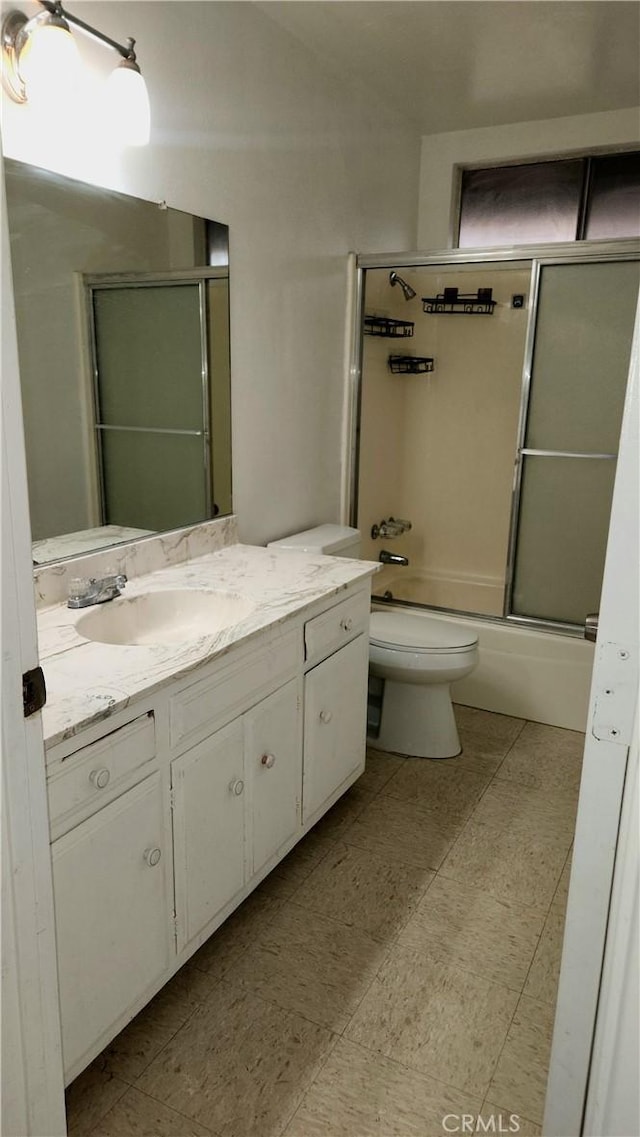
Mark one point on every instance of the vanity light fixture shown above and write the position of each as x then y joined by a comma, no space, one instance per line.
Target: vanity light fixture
42,50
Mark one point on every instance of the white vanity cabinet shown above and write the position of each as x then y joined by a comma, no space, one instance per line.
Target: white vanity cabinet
236,804
273,750
112,914
111,857
335,703
177,806
335,700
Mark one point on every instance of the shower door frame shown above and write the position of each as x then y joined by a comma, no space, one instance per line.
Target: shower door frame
103,282
537,256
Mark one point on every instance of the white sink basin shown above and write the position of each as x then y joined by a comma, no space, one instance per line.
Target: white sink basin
173,616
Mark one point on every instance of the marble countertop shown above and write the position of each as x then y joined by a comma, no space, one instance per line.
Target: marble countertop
88,681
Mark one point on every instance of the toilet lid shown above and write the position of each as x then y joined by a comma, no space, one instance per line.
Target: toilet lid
411,631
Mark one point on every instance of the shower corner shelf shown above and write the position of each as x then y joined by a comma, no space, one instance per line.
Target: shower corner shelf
454,303
410,364
385,326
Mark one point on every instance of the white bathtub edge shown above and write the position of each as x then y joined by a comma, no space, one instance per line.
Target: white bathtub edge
526,673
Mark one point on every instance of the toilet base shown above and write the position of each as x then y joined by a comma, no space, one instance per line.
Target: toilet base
418,720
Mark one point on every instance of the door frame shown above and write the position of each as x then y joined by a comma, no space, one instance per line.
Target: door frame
32,1077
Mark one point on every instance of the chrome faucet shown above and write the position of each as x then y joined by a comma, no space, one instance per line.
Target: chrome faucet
394,527
392,558
89,590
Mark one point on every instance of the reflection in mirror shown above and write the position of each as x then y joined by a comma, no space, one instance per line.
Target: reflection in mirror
122,312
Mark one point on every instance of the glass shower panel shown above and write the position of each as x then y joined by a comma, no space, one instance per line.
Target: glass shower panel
151,401
564,520
581,356
582,348
153,481
149,359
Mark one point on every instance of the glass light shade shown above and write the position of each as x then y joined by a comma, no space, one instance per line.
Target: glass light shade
49,62
128,105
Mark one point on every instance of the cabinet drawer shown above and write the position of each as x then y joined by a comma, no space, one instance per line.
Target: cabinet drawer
330,631
230,690
91,777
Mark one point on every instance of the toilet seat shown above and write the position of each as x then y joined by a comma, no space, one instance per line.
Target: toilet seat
418,634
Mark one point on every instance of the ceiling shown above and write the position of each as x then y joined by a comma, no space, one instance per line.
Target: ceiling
459,64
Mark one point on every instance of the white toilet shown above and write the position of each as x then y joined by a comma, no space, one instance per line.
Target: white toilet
417,655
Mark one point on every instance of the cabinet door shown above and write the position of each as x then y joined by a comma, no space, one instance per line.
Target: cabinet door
209,828
113,927
274,765
335,711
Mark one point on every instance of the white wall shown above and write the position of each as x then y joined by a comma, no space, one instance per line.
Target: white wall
442,153
249,130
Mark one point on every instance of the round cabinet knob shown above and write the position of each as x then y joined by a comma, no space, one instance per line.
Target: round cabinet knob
236,787
325,716
346,624
268,760
100,778
152,856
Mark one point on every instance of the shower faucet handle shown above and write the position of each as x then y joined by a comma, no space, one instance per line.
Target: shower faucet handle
385,529
394,527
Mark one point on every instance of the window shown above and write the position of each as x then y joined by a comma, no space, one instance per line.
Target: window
614,200
537,202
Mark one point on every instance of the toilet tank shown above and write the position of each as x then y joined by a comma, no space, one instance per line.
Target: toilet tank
332,540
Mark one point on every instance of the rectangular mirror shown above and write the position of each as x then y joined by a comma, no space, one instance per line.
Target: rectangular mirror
122,311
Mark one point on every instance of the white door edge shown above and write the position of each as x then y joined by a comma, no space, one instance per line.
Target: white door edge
612,1099
612,711
32,1079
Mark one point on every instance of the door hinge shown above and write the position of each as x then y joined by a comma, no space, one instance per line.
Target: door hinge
34,691
616,696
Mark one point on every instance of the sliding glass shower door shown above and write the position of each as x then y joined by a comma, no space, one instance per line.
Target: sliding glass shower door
151,395
569,439
502,453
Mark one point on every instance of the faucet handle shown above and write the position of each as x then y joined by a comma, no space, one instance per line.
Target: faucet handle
79,587
394,527
111,577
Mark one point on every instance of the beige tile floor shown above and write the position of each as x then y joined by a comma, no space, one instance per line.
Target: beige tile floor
399,966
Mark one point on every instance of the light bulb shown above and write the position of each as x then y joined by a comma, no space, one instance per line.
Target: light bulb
128,105
49,62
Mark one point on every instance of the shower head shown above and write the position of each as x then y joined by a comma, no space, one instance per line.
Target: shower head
407,290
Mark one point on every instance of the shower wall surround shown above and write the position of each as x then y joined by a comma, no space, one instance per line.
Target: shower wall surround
439,448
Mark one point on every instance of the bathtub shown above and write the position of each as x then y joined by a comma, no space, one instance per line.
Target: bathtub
522,671
440,590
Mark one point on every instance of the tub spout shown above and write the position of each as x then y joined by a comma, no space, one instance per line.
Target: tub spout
392,558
